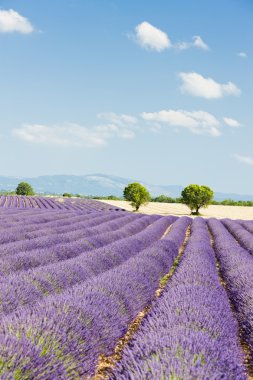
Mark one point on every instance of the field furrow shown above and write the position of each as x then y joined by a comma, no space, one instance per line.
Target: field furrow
89,291
242,235
236,266
191,329
71,331
30,286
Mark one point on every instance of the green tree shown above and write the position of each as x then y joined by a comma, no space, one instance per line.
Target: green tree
24,188
163,199
136,194
68,195
196,196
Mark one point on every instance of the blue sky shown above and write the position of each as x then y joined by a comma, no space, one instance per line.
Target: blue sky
159,91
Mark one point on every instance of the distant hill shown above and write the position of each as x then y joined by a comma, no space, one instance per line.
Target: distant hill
99,184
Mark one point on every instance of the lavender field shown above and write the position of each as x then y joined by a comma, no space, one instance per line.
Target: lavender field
75,204
90,291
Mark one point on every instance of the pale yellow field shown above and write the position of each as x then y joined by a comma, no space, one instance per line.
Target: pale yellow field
213,211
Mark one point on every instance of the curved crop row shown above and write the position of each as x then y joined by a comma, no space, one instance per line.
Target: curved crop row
248,225
28,287
190,332
88,241
244,237
236,266
68,224
23,202
64,335
15,217
54,248
24,234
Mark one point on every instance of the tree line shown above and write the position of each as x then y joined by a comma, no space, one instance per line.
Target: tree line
194,196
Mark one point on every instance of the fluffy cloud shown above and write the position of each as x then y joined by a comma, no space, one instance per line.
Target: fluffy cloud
232,122
242,54
197,122
197,42
122,125
68,135
75,135
12,21
244,159
196,85
150,37
120,120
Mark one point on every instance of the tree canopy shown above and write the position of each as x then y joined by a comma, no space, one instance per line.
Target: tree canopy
196,196
24,188
68,195
136,194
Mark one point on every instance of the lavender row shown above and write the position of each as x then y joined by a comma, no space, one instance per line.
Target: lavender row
25,232
23,202
89,238
28,202
244,237
51,249
31,223
18,216
91,203
237,270
190,332
63,336
177,231
30,286
248,225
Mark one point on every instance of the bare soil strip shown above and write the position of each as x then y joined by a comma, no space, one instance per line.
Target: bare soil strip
245,347
106,363
167,231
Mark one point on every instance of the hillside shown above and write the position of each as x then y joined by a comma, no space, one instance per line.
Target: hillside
99,184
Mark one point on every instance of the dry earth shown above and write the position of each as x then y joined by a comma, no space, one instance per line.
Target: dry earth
213,211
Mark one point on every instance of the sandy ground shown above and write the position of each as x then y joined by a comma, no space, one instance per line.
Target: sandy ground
213,211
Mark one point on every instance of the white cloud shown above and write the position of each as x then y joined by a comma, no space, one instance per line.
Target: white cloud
196,85
232,122
120,125
12,21
68,135
183,45
75,135
121,120
242,54
197,122
197,43
150,37
112,130
244,159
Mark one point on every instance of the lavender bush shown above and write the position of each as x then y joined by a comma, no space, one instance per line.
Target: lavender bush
244,237
191,332
237,268
64,335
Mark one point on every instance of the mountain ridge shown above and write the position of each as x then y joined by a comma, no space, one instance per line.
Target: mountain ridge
99,185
